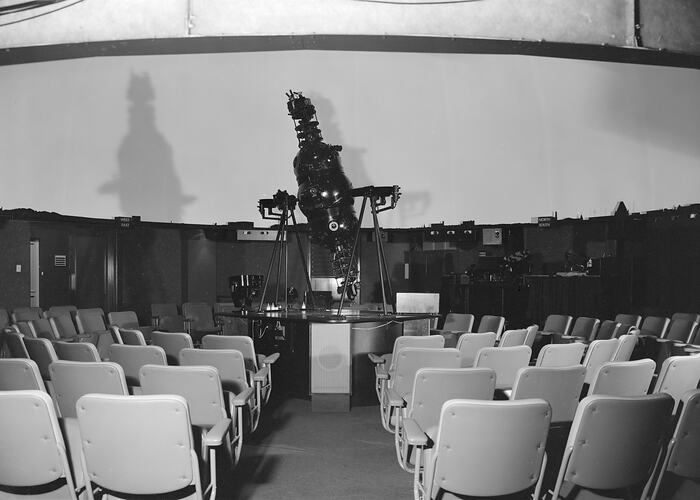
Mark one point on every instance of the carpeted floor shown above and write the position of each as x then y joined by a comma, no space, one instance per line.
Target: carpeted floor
297,454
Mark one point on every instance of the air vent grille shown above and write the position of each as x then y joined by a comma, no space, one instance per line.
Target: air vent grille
60,261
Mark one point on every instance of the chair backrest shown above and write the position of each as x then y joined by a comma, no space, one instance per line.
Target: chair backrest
132,336
489,448
685,454
172,343
553,355
512,338
199,385
655,325
43,353
69,309
26,314
625,348
20,374
559,386
681,330
410,359
558,323
678,374
90,320
470,343
4,318
32,448
599,352
614,441
689,316
505,361
433,387
623,378
15,344
459,322
531,335
123,319
132,357
76,351
241,343
153,430
630,319
41,328
25,329
585,327
73,379
229,363
63,325
171,323
491,323
607,330
159,310
200,314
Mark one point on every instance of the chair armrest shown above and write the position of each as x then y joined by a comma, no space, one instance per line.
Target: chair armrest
377,360
574,338
414,434
242,398
395,399
268,360
215,435
262,374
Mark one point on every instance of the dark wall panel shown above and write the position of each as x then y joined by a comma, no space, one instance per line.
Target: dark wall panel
14,249
149,262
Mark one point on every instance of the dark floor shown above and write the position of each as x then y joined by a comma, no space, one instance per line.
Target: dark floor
299,454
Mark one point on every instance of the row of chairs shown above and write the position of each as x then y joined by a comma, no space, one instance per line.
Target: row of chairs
212,380
71,323
680,327
425,378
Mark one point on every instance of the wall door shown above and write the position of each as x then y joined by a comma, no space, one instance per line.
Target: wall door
34,273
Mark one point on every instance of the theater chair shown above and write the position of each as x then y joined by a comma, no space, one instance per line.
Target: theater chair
19,374
623,378
15,344
470,343
201,388
172,343
199,320
80,351
234,382
384,365
505,361
132,357
613,445
678,375
259,366
511,338
679,474
432,388
455,325
132,337
92,322
408,361
41,351
129,320
629,319
32,450
73,379
152,454
599,352
608,329
482,449
490,323
553,355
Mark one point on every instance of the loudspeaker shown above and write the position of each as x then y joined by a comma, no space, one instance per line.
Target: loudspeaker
330,358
